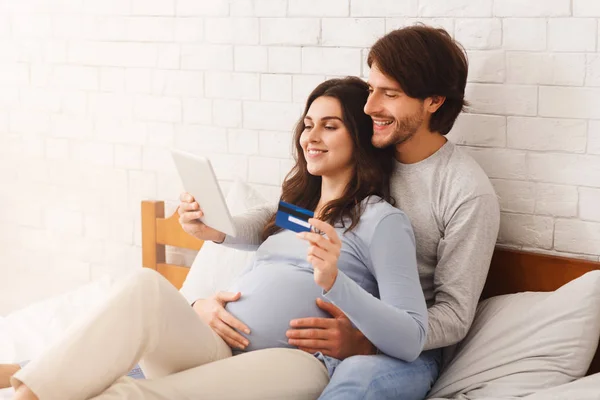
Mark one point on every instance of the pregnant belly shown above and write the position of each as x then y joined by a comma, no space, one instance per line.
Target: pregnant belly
273,295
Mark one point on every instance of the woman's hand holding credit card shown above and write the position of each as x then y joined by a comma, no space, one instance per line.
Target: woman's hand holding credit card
324,250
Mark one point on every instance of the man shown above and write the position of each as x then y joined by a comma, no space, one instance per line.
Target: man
417,82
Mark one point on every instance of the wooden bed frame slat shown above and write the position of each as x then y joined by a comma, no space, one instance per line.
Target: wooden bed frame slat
158,232
174,273
511,271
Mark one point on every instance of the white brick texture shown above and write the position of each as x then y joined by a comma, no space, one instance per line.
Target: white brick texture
586,8
594,137
487,66
383,8
290,31
571,169
532,8
589,204
569,102
546,134
479,130
503,99
592,77
567,69
524,34
526,230
577,236
501,163
318,8
485,33
515,196
336,61
232,30
556,200
202,8
455,8
258,8
153,7
94,93
351,32
250,58
572,34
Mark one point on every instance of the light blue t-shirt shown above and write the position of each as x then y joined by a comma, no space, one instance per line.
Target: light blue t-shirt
377,285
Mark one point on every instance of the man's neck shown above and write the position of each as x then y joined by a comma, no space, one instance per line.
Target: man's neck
420,147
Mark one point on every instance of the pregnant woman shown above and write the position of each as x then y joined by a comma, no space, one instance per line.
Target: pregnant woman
361,257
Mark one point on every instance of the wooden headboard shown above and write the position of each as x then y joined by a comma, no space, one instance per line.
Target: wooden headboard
511,271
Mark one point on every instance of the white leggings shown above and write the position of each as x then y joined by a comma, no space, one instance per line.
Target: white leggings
147,320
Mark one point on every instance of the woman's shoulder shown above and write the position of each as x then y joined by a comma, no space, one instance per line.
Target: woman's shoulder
375,210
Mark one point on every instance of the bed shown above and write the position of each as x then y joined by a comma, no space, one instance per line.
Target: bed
27,332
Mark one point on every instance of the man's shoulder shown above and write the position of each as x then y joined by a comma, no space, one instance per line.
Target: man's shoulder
464,177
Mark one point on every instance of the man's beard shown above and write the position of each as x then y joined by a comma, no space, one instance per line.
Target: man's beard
405,130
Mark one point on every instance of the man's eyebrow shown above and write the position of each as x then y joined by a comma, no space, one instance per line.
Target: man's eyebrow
388,88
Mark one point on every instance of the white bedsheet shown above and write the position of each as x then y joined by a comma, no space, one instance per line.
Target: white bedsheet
26,332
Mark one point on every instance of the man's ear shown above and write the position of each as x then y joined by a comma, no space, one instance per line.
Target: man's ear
433,103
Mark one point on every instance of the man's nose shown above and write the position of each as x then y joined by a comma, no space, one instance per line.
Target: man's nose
371,107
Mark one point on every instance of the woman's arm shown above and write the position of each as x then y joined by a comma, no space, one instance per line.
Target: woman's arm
249,227
397,322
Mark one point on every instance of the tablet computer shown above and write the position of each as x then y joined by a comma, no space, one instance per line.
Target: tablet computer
199,180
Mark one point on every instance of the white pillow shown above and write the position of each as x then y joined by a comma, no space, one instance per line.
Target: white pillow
522,343
587,388
216,266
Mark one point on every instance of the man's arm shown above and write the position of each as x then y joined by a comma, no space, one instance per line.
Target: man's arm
249,227
464,256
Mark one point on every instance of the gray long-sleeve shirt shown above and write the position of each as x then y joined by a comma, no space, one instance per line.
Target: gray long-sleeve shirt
455,215
377,285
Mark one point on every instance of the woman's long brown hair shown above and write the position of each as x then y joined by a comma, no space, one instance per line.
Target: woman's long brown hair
372,169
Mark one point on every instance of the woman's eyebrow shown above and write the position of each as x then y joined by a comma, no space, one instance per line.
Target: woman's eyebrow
324,118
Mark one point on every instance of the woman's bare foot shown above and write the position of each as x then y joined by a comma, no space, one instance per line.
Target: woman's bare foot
24,393
6,371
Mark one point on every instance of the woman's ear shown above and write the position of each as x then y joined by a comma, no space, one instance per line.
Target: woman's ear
433,103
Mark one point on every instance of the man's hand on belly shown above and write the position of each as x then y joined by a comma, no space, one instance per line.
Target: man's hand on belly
334,337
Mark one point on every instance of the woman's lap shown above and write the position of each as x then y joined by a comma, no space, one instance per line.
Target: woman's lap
261,374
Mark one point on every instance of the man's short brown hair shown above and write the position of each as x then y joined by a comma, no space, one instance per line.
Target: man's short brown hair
425,62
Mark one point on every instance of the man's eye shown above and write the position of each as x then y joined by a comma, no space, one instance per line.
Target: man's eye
391,96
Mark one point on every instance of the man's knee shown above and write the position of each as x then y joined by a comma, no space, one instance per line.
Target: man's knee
379,377
363,368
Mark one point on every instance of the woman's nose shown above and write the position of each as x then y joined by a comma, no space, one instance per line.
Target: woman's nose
313,135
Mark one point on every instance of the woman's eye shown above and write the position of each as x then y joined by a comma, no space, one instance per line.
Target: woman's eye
307,127
331,128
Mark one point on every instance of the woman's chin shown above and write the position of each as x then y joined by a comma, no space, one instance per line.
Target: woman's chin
314,170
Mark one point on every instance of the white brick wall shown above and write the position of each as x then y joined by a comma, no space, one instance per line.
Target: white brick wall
93,93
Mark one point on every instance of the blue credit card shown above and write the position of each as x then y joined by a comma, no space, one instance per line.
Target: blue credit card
292,217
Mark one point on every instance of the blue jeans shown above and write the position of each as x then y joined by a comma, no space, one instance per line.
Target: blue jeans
380,377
